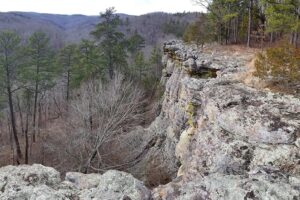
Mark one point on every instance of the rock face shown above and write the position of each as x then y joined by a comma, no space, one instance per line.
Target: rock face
117,185
236,142
215,138
37,182
32,182
83,181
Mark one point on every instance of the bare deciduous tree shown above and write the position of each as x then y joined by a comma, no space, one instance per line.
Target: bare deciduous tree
115,108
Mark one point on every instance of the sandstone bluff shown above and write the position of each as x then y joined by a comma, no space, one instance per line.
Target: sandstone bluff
215,138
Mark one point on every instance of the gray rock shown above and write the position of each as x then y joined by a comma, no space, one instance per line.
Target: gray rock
34,182
236,142
37,182
117,185
83,181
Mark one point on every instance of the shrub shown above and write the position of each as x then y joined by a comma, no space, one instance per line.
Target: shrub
199,32
279,66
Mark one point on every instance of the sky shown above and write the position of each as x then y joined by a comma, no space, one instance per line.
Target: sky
94,7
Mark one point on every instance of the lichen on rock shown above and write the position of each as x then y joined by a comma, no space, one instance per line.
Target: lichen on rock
215,138
244,142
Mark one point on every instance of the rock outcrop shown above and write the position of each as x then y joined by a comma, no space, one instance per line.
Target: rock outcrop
215,138
238,142
32,182
37,182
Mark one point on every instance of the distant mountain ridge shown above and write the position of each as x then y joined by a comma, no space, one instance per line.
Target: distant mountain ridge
72,28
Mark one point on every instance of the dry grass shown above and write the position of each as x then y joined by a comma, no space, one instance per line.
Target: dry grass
247,75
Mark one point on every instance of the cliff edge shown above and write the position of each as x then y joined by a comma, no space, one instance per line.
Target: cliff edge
240,142
215,138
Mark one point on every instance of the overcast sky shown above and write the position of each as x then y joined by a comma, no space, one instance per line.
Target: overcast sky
94,7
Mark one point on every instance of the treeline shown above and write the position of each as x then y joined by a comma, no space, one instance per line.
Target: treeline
175,27
246,21
31,71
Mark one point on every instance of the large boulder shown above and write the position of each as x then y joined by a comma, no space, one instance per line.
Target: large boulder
117,185
32,182
83,181
37,182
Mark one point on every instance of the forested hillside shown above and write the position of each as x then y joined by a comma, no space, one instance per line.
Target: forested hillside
271,24
247,21
92,77
64,29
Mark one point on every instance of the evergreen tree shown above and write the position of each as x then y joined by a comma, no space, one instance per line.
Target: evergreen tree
175,27
111,41
39,71
68,58
242,20
155,61
135,43
283,17
216,11
198,32
89,64
139,65
9,66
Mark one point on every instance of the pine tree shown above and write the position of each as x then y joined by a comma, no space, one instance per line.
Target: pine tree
283,17
9,66
68,58
139,65
198,32
155,61
111,41
89,63
39,71
135,43
233,20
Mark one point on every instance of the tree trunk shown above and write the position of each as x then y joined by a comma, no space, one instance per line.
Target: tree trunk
296,40
292,38
34,117
226,33
235,30
12,114
219,26
13,122
91,106
12,150
68,79
26,140
110,67
297,32
140,73
35,103
249,23
88,163
26,129
271,37
40,120
68,86
20,115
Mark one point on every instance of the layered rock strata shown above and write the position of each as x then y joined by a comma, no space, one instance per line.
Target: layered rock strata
215,138
239,142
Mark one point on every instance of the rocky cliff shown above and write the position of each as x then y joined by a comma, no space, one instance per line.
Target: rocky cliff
238,142
215,138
